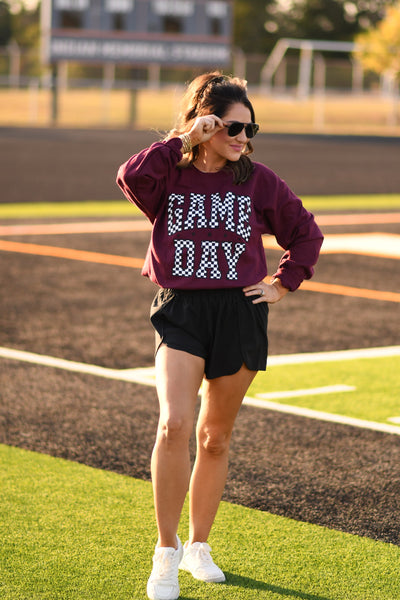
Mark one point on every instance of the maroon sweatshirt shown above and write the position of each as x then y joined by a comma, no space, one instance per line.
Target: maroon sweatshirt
207,230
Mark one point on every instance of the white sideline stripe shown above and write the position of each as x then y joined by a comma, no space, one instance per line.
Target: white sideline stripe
321,416
146,376
328,389
335,355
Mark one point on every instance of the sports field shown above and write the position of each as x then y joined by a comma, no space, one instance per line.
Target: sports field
311,504
337,113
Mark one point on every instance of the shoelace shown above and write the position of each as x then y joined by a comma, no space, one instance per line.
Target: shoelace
164,562
203,553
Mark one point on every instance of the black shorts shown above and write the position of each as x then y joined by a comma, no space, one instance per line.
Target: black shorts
222,326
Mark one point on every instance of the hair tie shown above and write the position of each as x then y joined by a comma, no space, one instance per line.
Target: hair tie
216,79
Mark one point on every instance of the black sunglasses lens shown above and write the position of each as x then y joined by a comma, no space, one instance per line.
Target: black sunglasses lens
236,127
251,130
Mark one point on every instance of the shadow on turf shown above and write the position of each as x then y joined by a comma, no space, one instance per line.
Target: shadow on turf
246,582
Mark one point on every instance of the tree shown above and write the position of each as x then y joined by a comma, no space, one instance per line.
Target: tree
379,49
20,25
338,20
5,24
26,26
249,32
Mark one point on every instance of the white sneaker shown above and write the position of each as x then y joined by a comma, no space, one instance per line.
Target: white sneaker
197,560
163,582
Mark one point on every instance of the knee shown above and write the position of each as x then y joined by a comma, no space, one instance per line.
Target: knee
173,430
214,441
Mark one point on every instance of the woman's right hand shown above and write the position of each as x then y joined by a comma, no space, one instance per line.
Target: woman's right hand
204,128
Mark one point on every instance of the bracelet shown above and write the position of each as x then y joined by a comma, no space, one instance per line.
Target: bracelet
186,143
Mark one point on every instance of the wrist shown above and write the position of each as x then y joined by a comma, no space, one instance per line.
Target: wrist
276,282
187,144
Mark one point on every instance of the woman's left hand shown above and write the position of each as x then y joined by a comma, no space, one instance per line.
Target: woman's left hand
204,128
266,292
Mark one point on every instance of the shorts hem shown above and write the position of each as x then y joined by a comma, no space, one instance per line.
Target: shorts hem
175,346
225,329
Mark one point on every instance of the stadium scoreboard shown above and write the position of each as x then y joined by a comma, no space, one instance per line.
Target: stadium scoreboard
169,32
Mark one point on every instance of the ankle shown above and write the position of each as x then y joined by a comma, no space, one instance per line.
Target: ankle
167,542
197,539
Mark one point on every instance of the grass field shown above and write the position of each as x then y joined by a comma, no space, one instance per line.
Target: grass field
158,108
70,532
376,382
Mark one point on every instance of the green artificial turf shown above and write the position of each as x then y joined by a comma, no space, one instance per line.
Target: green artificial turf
376,397
124,208
70,532
44,210
360,202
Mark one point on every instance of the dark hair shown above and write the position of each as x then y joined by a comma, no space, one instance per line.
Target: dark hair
214,93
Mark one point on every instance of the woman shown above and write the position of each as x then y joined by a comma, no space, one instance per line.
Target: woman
209,206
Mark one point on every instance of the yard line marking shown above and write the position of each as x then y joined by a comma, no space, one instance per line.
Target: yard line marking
321,416
333,356
59,363
137,263
146,376
328,389
277,360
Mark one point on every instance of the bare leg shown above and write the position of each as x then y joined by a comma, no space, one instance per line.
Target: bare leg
221,401
178,377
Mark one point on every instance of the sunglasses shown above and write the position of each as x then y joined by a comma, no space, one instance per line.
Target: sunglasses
236,127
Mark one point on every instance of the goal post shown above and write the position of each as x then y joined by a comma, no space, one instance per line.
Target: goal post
307,48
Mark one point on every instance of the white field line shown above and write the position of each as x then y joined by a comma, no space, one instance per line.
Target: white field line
335,355
140,224
370,244
327,389
386,245
146,376
81,227
144,225
321,416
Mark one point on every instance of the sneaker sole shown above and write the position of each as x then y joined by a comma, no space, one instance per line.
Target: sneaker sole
217,579
151,593
159,597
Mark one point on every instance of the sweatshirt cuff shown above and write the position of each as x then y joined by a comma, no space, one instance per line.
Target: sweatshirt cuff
288,280
175,144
